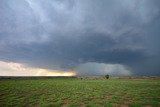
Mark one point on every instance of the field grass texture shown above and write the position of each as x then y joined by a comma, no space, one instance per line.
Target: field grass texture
79,93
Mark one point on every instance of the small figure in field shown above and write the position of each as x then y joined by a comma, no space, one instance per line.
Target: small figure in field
107,76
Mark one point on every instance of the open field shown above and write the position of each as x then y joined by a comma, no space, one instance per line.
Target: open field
73,92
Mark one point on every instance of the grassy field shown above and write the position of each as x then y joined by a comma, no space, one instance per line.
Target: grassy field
79,93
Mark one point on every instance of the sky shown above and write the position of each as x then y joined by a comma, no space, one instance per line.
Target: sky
79,37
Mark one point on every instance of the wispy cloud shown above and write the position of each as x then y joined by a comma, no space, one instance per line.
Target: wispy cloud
17,69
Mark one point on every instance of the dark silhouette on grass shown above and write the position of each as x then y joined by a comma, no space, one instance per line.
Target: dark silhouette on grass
107,76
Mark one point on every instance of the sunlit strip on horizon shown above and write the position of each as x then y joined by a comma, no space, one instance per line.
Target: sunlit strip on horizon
17,69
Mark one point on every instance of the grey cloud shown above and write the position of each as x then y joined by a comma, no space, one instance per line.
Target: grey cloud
64,34
91,68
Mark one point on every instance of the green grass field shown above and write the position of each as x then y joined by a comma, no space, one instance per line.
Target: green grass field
79,93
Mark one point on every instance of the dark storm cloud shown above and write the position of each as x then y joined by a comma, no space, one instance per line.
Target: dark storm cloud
63,34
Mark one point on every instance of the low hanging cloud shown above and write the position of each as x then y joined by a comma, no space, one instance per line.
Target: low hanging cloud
92,68
63,35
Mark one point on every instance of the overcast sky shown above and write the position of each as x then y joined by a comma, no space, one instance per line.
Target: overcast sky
89,37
